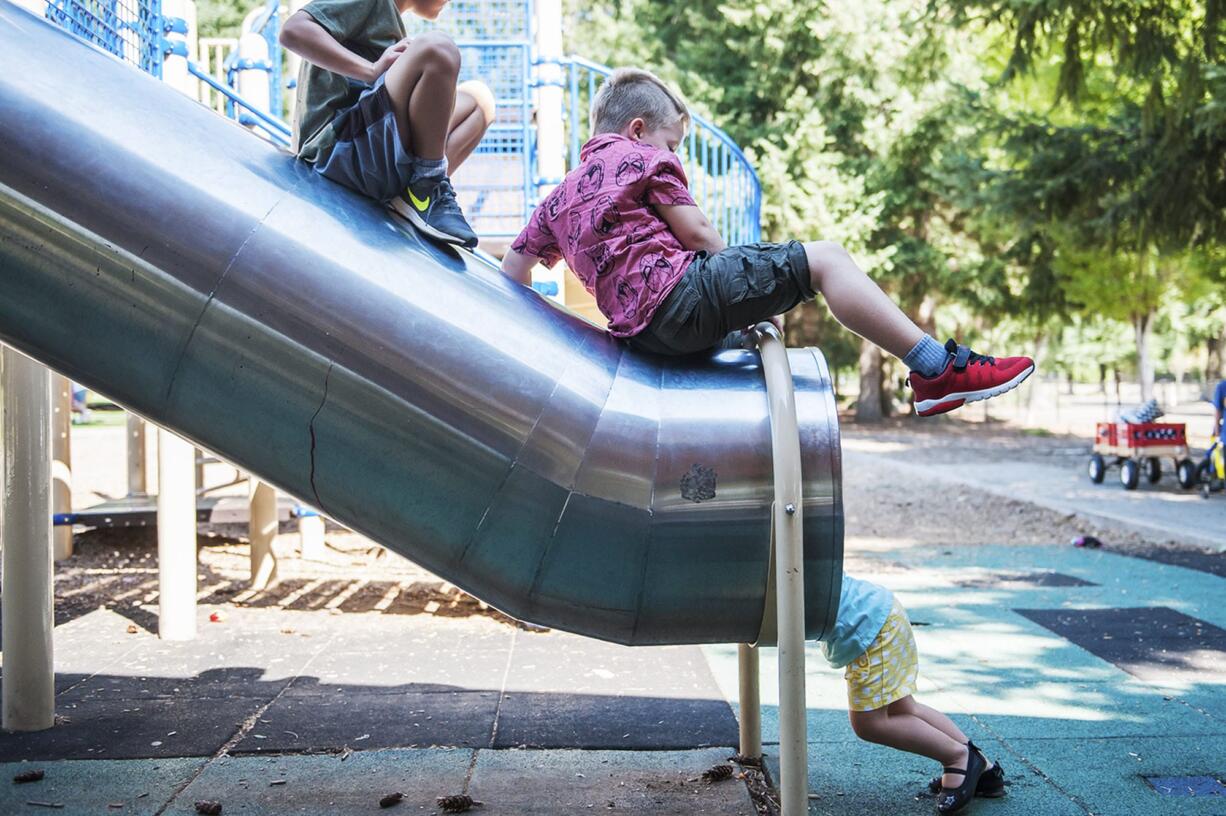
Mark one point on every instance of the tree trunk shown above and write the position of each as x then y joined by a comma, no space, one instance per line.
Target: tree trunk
1213,360
1032,393
1143,328
870,406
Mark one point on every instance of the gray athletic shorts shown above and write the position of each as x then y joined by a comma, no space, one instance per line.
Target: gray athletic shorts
368,155
721,294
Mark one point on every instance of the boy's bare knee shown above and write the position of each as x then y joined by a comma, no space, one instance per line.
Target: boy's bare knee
483,97
437,49
823,257
825,253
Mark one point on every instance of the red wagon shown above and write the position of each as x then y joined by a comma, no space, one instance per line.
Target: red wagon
1143,444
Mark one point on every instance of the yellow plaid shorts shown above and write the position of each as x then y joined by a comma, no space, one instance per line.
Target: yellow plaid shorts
886,672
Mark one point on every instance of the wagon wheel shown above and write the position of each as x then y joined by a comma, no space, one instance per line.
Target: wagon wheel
1153,470
1130,474
1097,468
1186,473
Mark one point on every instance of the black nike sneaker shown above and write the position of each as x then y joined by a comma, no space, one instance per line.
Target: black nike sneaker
431,206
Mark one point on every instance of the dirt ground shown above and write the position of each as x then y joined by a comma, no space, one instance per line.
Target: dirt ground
882,504
117,568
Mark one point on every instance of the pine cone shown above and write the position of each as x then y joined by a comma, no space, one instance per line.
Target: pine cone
28,776
207,808
457,804
717,773
391,799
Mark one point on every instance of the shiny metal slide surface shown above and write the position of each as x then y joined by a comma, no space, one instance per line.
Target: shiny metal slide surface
166,257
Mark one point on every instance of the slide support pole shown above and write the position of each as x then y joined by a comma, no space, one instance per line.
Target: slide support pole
262,529
26,594
138,479
788,535
61,466
750,701
176,537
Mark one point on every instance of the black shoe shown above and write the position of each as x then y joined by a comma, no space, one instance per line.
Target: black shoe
951,800
991,782
431,206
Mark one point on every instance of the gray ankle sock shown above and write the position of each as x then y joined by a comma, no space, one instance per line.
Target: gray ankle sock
427,171
928,357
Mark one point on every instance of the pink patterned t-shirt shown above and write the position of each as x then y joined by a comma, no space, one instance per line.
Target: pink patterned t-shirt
602,220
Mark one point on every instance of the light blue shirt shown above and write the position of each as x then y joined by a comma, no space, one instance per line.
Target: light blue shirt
863,608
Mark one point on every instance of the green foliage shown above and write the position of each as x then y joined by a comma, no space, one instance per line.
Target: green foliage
1146,161
221,18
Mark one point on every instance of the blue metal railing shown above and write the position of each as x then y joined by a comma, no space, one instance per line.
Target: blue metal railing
268,25
130,29
722,180
276,129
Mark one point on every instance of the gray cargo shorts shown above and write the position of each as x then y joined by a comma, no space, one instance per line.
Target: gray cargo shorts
721,294
368,155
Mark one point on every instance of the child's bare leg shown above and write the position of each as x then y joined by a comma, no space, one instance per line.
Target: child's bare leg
474,113
910,732
422,87
908,705
857,302
907,732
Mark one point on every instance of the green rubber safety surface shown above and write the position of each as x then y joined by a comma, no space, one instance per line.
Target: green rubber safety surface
1083,715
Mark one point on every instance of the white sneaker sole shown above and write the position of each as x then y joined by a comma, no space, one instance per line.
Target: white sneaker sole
409,214
925,407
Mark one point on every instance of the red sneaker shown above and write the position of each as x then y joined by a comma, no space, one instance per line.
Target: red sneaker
969,377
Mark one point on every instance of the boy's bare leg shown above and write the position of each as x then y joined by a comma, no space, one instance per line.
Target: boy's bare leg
422,87
857,302
474,113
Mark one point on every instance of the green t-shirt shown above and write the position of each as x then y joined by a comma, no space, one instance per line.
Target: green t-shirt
365,27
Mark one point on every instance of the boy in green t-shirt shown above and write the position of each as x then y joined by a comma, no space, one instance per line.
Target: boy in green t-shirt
382,113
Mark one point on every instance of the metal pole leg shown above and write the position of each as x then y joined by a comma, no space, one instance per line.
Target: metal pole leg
61,468
788,536
138,480
311,534
26,612
751,701
176,538
261,532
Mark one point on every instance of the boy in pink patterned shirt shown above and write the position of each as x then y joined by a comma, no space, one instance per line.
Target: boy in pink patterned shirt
602,220
628,228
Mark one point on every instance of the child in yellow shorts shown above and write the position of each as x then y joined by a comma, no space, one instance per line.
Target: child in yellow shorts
872,638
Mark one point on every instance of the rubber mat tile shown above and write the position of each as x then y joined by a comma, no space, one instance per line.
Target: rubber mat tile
348,716
104,729
138,787
326,783
635,783
1151,643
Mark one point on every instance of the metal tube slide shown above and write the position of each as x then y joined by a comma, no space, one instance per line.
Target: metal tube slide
208,281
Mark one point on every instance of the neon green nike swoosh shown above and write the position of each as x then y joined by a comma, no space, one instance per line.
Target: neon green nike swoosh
421,206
